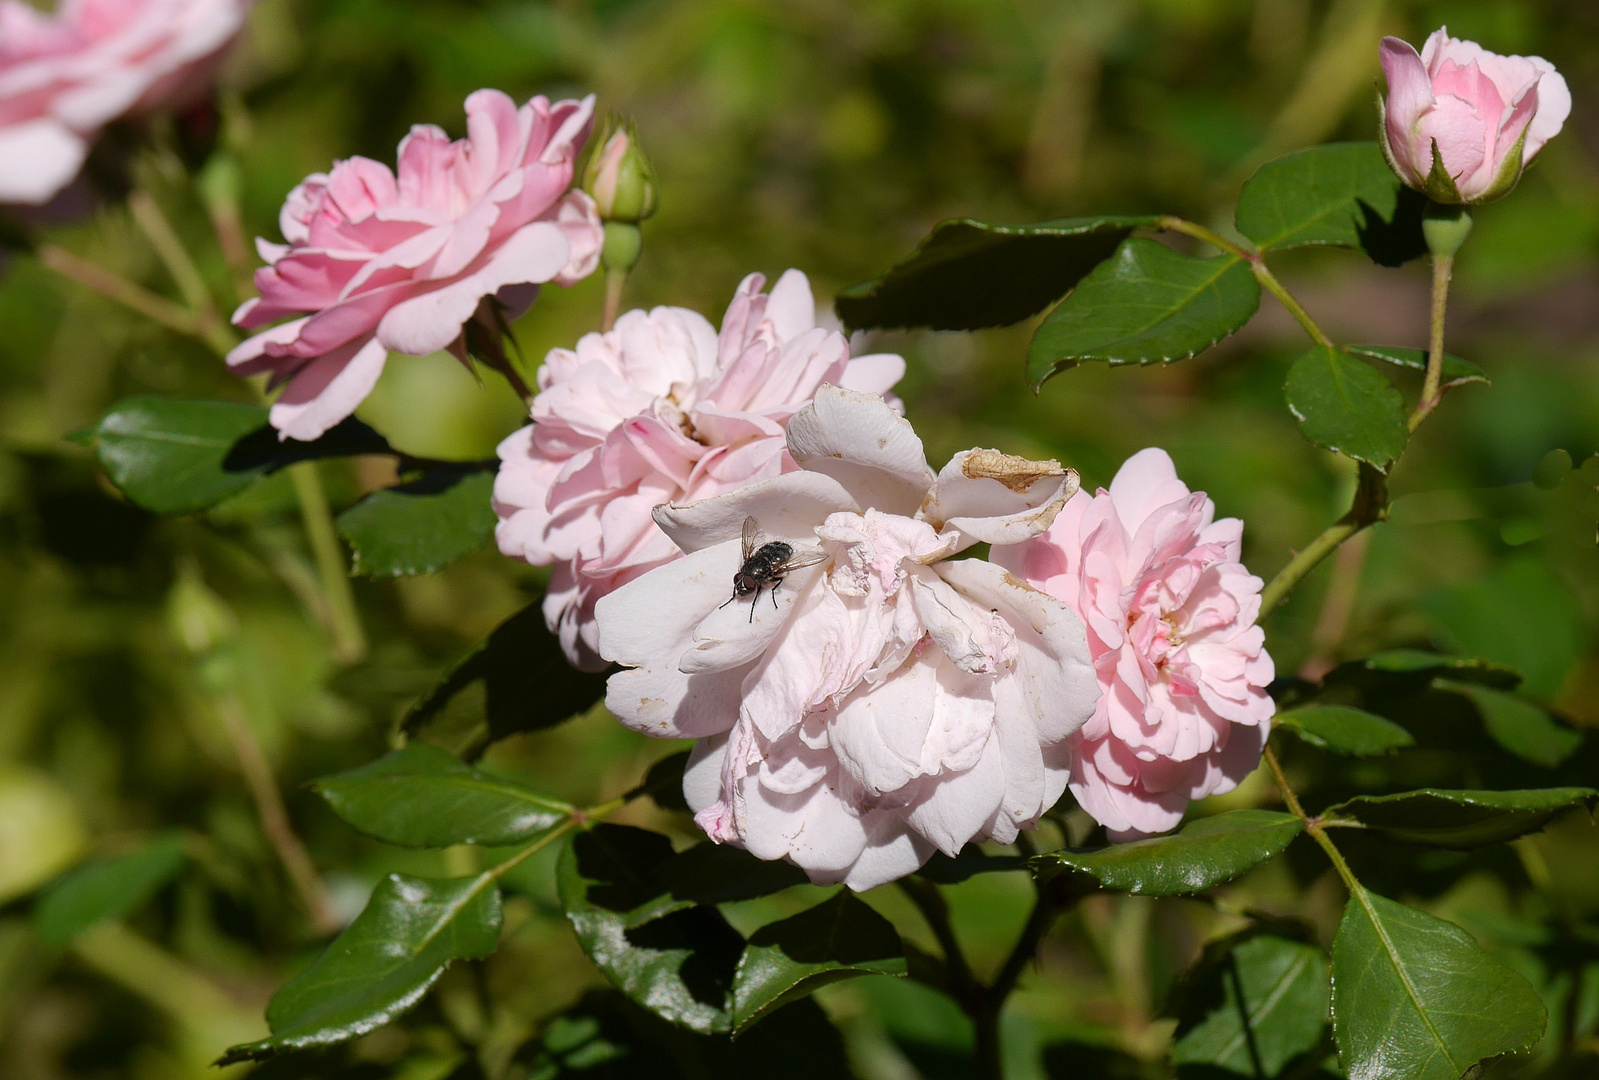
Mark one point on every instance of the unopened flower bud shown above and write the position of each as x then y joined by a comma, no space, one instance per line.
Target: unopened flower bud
619,176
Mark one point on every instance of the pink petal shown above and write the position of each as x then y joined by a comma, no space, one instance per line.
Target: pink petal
328,389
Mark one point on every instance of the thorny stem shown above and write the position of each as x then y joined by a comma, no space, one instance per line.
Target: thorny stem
1432,390
615,280
1257,266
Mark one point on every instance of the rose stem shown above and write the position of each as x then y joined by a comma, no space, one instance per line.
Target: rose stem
1431,390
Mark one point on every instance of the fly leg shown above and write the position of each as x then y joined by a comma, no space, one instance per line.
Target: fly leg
755,600
775,583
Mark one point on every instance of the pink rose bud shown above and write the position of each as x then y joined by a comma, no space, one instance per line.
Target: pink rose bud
1461,123
619,175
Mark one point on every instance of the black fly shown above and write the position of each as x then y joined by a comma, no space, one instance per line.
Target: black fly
765,566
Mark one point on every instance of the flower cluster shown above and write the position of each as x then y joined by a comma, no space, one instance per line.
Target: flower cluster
65,76
663,408
378,260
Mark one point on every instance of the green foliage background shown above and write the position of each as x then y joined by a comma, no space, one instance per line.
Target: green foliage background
828,135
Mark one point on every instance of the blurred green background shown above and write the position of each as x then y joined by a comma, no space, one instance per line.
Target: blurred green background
827,135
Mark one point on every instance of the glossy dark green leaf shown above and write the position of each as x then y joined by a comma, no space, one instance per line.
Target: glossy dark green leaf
1460,819
1346,405
1343,194
969,274
1525,729
181,456
528,683
1417,667
420,526
1147,304
1455,372
710,873
679,966
840,938
1201,854
1253,1003
105,889
1344,730
422,796
383,963
1416,997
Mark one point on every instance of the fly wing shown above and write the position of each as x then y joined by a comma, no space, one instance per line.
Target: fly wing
752,533
801,559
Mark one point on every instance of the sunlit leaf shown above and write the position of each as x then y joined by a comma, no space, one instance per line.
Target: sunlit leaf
1201,854
422,796
1416,997
1344,730
421,526
1345,405
1342,194
106,889
1147,304
970,274
1460,819
383,963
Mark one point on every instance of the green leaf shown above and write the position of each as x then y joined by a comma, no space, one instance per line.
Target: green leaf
181,456
679,966
1201,854
840,938
1147,304
421,526
710,873
106,889
1420,667
1253,1003
528,683
1344,405
1521,614
1518,725
1343,194
383,963
968,864
969,274
1460,819
1455,371
1416,997
1344,730
422,796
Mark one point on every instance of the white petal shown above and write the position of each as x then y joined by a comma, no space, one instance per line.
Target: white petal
998,498
739,632
862,442
787,507
891,852
37,159
702,776
878,732
956,806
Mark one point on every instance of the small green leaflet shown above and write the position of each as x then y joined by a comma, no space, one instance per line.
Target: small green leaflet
1345,405
1253,1003
970,274
1343,194
383,963
1147,304
1454,371
1201,854
421,526
839,938
1459,819
1416,997
1518,725
106,889
422,796
1342,729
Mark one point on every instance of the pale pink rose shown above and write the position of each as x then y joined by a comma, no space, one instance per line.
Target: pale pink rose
660,409
1171,615
65,76
377,261
887,700
1485,114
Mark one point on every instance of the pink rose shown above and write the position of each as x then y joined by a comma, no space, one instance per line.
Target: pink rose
660,409
376,262
1171,614
65,76
1460,123
885,701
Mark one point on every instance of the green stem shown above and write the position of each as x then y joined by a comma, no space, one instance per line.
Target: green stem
1370,506
209,326
1313,826
615,280
113,286
344,618
1431,389
1257,266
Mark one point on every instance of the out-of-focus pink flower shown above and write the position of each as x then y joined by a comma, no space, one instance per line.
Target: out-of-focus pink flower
65,76
887,700
1484,116
1171,614
377,261
660,409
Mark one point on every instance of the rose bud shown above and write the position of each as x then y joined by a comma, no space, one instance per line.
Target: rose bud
619,176
1461,123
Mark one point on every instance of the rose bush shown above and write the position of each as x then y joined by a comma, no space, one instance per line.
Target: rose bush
379,261
886,703
1482,117
1183,711
65,76
660,409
